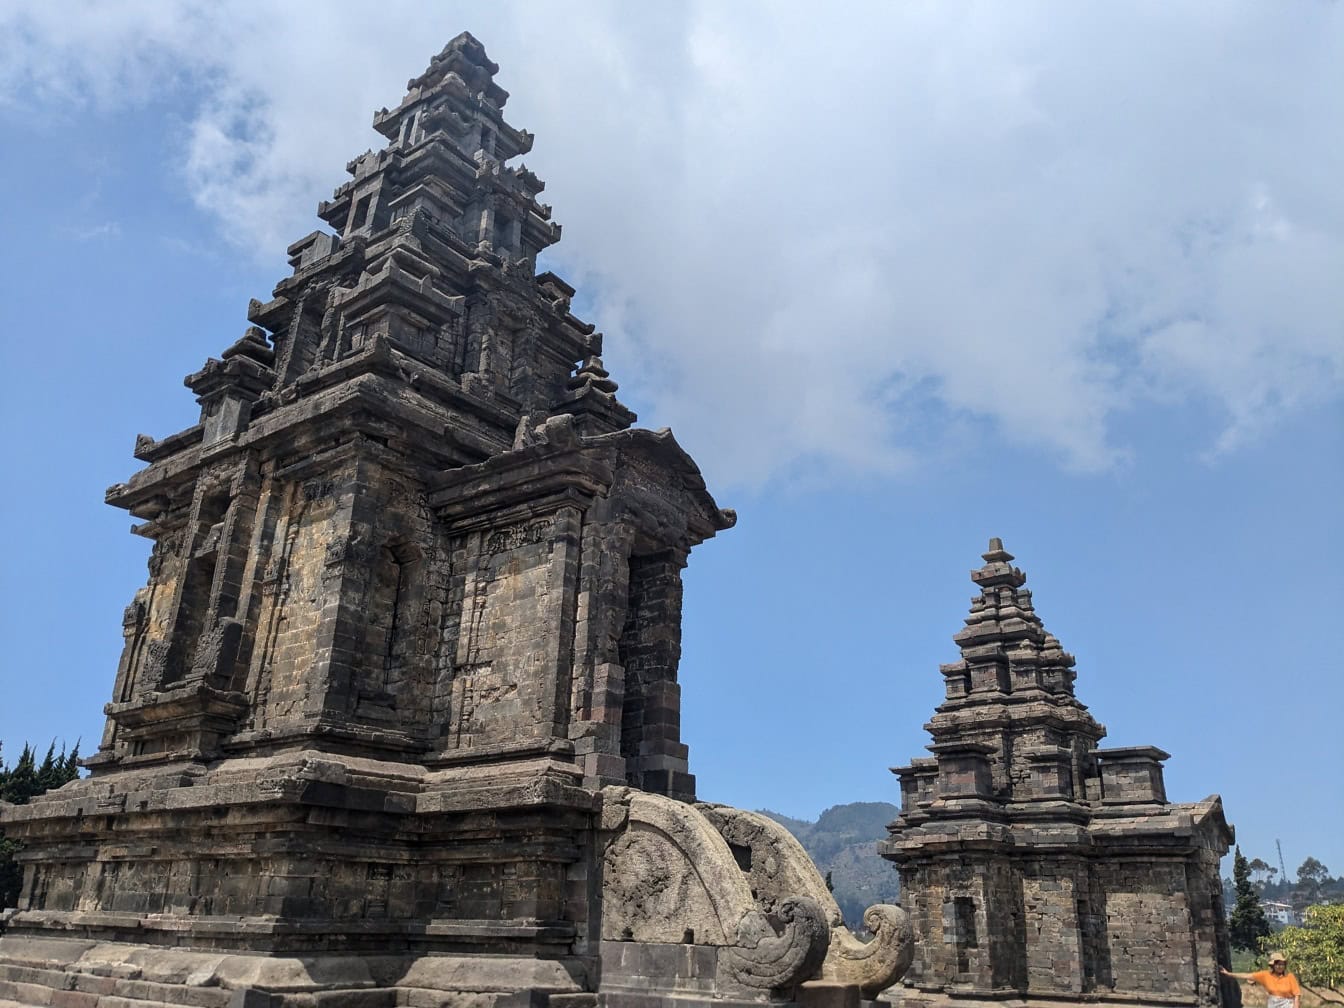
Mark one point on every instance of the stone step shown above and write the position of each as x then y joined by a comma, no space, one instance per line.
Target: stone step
26,993
35,987
45,997
39,988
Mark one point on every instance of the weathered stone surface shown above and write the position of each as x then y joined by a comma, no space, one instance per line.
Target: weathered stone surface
828,994
779,951
669,876
673,883
1035,865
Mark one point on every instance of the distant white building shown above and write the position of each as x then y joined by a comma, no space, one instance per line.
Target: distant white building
1280,914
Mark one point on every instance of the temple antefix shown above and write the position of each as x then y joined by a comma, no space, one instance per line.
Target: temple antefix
397,719
1037,868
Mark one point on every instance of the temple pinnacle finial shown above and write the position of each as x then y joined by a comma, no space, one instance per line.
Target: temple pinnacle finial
996,554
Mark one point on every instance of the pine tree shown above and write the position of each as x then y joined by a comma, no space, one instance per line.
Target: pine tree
1248,924
18,784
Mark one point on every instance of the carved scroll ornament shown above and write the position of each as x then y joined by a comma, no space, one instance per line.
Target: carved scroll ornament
779,869
875,965
767,959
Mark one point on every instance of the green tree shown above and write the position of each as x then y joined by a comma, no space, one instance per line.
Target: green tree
1248,924
20,783
1315,950
1260,867
1311,875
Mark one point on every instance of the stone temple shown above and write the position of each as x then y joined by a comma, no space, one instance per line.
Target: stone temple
1037,867
397,719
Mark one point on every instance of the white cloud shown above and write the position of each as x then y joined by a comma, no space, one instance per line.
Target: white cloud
799,232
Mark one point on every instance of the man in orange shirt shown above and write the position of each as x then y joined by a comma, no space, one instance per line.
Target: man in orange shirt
1277,981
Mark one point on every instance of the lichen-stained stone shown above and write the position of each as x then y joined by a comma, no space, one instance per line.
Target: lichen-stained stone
1035,865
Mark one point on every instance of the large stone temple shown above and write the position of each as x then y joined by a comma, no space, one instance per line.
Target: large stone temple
397,719
1037,868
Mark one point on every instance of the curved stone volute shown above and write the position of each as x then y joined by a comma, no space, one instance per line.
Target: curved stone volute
877,964
670,877
770,959
777,867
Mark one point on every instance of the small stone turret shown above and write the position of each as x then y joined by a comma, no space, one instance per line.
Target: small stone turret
1011,720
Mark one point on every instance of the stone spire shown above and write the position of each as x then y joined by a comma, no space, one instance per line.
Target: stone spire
430,274
1012,689
1005,649
592,399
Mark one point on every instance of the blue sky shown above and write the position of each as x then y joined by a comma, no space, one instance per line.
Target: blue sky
900,280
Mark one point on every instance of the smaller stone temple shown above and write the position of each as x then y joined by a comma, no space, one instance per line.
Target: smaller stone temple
1036,867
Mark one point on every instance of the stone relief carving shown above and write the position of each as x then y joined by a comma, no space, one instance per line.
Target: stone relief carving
318,490
669,877
163,549
502,540
218,649
667,871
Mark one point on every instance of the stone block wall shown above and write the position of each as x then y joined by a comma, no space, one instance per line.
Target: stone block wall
650,651
1054,898
330,877
1148,927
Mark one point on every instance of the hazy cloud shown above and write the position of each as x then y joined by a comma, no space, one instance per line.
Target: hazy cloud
804,236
